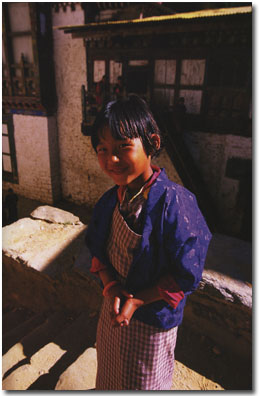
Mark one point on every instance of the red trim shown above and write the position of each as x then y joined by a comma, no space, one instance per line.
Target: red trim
120,193
170,291
96,266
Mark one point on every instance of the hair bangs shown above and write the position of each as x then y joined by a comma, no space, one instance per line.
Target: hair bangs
127,118
122,122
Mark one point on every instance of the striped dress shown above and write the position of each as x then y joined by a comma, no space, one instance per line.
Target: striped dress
138,356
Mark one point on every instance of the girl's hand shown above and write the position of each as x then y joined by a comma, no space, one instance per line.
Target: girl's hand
119,294
123,318
142,297
116,294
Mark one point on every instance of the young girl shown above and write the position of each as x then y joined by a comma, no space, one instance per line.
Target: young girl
148,241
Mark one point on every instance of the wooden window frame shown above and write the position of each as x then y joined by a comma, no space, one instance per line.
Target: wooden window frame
201,121
10,176
33,92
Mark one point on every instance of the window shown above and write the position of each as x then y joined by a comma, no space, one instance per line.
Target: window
191,82
168,87
115,71
164,80
17,49
99,70
9,166
28,72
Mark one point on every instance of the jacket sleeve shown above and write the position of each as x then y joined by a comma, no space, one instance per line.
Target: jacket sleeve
187,239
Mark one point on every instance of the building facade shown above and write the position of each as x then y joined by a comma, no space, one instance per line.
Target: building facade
55,56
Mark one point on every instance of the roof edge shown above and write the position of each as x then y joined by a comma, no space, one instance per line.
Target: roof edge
185,15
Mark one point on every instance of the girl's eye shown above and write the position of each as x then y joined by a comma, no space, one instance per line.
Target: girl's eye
122,145
101,149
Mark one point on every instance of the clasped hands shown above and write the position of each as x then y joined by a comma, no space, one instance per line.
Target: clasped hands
121,317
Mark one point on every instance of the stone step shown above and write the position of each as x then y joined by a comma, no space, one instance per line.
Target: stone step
39,364
22,351
69,363
17,333
75,339
51,356
67,360
80,375
14,317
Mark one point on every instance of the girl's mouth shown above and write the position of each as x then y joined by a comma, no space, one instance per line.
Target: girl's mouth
117,171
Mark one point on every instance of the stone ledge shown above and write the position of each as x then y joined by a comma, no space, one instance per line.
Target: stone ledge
222,305
38,263
223,287
52,243
229,261
55,215
47,245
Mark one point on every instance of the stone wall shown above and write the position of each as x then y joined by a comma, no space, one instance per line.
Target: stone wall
38,264
211,153
55,272
164,161
37,156
222,305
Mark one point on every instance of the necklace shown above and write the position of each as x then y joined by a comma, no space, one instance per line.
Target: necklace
130,196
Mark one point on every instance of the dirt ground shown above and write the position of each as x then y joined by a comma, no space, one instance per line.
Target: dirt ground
201,354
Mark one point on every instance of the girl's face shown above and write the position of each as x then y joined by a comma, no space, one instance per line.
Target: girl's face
125,161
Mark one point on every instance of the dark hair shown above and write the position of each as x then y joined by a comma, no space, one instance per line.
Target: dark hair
127,117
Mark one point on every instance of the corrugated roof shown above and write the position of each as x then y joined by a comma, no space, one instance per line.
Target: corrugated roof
179,16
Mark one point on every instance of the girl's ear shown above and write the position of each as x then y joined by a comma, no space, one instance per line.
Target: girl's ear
156,141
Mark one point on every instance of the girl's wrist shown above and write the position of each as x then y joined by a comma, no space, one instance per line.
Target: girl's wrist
147,296
137,302
108,287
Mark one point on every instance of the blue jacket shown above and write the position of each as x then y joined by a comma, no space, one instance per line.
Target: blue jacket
175,240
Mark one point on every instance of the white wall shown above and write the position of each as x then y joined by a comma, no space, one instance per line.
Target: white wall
37,178
81,179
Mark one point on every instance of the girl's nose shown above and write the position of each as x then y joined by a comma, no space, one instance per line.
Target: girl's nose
114,158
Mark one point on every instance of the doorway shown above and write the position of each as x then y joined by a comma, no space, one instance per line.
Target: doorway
137,78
